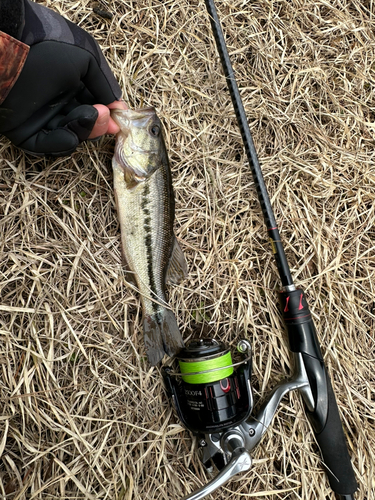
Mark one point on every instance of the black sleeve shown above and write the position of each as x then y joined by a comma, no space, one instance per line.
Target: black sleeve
12,17
49,91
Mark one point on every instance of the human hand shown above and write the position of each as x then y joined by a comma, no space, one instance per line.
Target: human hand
104,123
63,88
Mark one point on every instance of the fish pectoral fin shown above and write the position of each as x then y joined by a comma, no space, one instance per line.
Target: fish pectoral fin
161,335
129,274
177,266
131,177
130,278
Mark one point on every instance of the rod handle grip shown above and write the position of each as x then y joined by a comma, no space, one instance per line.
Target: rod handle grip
332,444
322,412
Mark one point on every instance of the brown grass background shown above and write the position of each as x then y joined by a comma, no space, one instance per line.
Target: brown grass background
82,414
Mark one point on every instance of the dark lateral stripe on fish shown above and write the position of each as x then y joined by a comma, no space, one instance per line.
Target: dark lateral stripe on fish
148,243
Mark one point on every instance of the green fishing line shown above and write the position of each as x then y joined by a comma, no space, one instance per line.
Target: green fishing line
208,364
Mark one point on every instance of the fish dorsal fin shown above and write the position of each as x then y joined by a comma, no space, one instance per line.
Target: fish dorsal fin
177,267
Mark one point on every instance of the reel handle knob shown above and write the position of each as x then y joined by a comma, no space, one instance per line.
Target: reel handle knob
240,462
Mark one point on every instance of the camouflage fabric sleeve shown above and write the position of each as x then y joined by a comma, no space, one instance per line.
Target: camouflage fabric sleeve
13,55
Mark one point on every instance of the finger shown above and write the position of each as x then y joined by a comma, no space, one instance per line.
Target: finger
100,81
85,96
101,125
113,128
118,105
104,123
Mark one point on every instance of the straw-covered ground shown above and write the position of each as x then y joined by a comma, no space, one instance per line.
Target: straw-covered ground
82,414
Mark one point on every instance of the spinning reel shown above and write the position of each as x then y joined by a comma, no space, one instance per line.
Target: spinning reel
213,399
208,394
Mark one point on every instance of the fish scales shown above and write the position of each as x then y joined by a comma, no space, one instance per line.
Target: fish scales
145,205
147,248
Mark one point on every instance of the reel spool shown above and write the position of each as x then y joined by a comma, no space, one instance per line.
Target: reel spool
209,394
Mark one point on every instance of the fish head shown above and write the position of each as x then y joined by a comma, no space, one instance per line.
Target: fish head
139,143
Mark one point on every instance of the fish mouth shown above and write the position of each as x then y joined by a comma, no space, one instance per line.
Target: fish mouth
149,110
120,116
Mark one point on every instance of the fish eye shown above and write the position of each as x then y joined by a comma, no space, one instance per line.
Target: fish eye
155,130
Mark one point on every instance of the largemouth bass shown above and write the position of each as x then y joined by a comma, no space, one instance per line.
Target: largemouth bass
145,207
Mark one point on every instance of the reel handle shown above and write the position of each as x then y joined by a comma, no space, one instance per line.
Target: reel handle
322,412
240,462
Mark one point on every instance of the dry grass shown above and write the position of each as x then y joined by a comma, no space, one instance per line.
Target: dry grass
82,415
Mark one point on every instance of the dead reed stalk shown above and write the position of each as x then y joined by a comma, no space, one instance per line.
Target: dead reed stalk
82,414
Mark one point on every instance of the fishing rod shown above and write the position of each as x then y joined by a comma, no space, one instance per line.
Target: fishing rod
212,394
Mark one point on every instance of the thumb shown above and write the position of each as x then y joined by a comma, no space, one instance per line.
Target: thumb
101,125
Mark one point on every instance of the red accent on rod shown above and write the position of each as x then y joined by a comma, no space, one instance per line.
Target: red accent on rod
286,306
300,307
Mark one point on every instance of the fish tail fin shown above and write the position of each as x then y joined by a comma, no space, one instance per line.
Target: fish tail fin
161,336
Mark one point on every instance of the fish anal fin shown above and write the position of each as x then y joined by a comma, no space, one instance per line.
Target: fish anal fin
153,340
177,266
